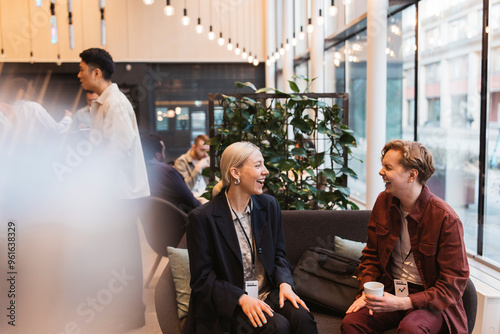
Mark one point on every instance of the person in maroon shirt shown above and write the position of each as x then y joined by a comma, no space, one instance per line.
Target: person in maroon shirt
415,240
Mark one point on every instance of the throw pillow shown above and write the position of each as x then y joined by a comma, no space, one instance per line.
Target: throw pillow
349,247
179,265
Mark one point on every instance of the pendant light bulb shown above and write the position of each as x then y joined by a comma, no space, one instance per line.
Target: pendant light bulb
221,39
211,34
185,18
250,58
302,34
169,9
148,2
255,62
229,45
244,55
310,27
321,19
237,51
199,27
287,45
333,10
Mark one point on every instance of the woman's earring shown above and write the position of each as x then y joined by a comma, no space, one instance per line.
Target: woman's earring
237,182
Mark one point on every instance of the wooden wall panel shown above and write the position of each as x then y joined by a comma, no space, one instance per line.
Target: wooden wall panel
135,32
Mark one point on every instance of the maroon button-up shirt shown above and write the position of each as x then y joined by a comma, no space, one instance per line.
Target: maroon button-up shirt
437,243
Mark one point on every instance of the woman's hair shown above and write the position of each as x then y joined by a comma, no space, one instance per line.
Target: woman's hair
413,156
233,156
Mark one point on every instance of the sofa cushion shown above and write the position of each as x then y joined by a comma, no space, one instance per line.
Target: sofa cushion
349,247
179,265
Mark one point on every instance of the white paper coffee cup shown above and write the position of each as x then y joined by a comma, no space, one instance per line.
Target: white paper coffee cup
374,289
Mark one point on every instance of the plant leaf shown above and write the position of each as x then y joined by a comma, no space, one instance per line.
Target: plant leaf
245,84
299,151
264,90
294,86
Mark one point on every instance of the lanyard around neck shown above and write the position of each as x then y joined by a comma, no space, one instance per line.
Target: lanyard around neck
246,236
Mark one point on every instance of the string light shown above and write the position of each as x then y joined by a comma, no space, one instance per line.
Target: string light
310,27
185,18
211,34
102,4
169,9
287,45
53,22
199,27
70,22
221,39
320,18
333,10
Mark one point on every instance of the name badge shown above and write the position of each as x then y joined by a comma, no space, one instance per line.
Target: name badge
401,287
252,288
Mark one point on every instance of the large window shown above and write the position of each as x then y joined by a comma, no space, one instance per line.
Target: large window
351,61
491,247
449,108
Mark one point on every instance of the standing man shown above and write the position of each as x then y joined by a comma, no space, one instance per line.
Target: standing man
120,164
192,163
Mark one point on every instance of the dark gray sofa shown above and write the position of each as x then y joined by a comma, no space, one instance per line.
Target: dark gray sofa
303,229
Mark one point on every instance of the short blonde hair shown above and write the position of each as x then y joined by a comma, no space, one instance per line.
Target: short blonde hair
234,155
413,156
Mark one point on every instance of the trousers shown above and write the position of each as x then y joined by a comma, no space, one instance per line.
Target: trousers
286,320
413,321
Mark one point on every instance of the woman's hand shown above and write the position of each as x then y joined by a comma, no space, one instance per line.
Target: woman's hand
286,293
254,309
387,303
357,305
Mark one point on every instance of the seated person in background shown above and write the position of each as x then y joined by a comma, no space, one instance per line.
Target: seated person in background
164,181
192,163
241,280
415,240
81,119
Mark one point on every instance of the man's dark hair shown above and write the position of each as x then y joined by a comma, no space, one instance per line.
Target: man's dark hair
151,144
101,59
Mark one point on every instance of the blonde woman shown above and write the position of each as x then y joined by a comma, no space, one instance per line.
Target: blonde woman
240,277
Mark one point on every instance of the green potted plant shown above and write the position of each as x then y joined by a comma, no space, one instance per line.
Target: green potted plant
304,141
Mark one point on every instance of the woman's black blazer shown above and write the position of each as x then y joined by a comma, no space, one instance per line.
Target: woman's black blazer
216,264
